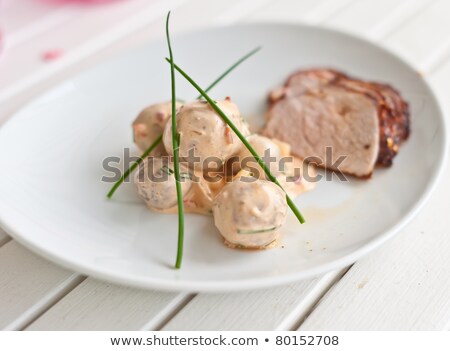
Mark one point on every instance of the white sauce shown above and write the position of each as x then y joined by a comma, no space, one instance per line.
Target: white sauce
250,214
149,125
247,214
201,129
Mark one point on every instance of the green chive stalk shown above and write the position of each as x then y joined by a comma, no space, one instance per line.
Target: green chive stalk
134,166
176,154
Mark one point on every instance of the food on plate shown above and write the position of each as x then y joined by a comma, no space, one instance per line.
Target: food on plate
156,183
364,121
277,155
214,131
266,148
248,209
203,132
250,214
190,149
149,125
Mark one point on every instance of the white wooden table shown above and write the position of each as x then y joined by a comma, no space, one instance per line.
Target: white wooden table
403,285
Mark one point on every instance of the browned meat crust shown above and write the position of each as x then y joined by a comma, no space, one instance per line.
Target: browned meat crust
393,110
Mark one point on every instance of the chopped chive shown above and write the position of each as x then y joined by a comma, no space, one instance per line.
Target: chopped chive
241,137
176,153
166,170
134,166
255,231
159,139
185,175
270,243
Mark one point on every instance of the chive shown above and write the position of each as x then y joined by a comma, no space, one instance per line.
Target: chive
133,166
270,243
185,175
176,151
166,170
255,231
231,68
159,139
241,137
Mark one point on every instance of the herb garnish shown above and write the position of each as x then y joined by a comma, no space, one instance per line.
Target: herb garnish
166,170
134,166
256,231
176,153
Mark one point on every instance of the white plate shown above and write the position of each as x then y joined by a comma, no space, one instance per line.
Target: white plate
52,199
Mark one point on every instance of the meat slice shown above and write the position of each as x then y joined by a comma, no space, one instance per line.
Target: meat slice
319,108
393,116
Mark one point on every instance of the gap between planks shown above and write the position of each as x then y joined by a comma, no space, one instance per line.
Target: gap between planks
45,304
276,308
30,285
4,238
296,325
160,320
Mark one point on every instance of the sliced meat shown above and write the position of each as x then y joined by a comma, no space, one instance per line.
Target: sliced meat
393,116
364,121
335,117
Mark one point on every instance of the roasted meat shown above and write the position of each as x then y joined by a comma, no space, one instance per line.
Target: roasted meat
325,114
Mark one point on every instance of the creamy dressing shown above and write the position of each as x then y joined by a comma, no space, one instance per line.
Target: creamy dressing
155,182
149,125
250,214
248,209
204,132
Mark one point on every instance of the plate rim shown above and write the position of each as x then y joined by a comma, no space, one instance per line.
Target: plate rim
248,283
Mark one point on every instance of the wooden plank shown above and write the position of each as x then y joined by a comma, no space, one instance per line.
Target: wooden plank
29,285
240,11
424,40
18,16
363,14
270,309
22,65
405,285
283,10
326,10
397,17
95,305
441,85
298,11
184,18
27,19
364,17
4,238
